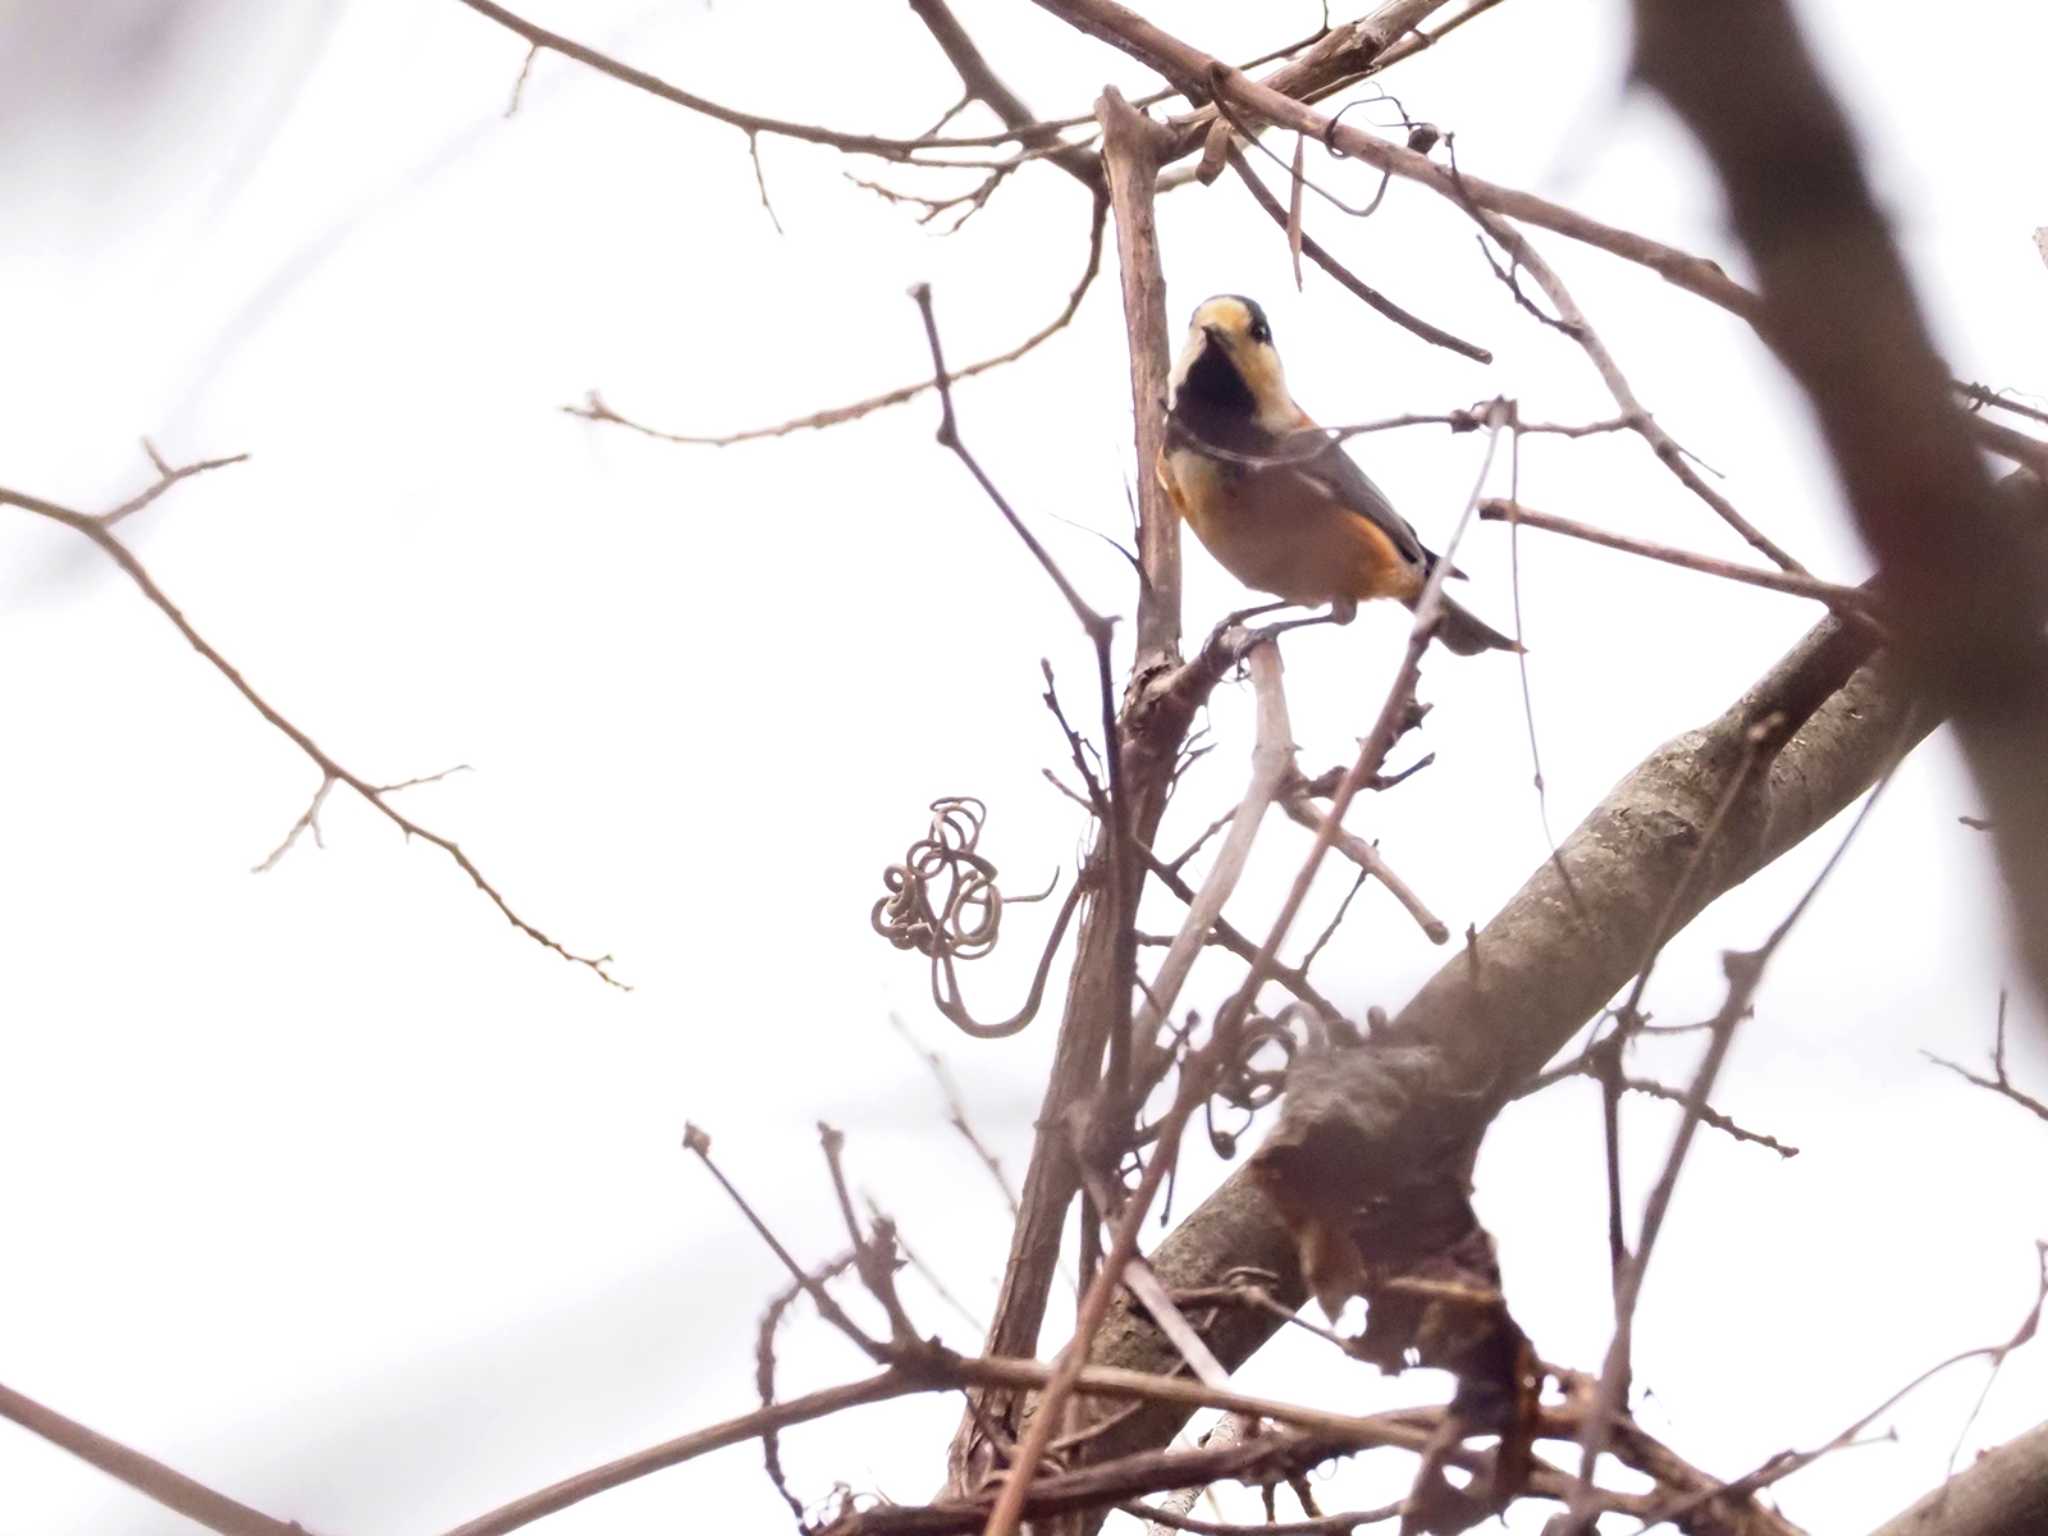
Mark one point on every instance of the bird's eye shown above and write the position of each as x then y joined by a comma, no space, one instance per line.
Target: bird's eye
1260,332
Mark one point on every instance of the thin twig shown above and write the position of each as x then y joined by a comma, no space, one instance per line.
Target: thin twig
96,529
1369,860
1357,286
2000,1082
1843,599
1745,972
595,409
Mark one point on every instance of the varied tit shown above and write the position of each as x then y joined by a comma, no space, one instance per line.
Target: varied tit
1275,499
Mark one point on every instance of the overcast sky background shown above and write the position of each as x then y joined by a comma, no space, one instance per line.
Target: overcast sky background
329,1189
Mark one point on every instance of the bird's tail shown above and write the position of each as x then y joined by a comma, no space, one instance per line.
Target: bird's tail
1467,635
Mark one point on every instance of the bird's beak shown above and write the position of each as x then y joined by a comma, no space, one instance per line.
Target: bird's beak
1214,334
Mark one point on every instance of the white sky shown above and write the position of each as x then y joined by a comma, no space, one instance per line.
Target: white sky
330,1190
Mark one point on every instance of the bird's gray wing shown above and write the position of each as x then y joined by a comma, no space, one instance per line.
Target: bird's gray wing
1336,475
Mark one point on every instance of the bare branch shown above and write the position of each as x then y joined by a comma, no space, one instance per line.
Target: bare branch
1270,100
749,123
595,409
147,1476
2000,1082
1841,313
1367,857
1320,255
1745,973
1272,758
1853,600
981,83
95,529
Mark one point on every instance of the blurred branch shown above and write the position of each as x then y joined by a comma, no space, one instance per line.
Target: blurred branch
1838,308
331,772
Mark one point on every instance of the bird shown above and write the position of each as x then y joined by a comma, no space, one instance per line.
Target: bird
1274,497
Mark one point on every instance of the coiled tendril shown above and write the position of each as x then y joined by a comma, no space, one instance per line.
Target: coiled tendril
966,919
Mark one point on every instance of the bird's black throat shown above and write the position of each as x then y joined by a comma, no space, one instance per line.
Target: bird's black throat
1215,405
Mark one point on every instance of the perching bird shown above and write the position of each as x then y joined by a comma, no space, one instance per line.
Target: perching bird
1277,501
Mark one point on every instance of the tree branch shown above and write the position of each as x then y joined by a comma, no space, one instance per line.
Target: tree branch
2005,1493
1840,312
331,771
1492,1016
172,1489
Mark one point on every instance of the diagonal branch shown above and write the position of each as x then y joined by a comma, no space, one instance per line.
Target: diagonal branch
982,84
2004,1493
172,1489
332,772
1276,99
594,408
750,123
1358,287
1840,598
1528,981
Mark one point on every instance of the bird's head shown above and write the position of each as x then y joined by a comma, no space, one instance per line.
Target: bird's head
1228,368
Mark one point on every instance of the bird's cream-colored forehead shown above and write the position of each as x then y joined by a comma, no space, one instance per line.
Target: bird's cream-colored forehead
1226,310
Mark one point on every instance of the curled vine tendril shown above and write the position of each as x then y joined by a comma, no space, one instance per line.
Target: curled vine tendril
965,919
1253,1080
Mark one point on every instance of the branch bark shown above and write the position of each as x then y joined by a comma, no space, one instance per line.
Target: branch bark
1159,708
1530,979
2004,1494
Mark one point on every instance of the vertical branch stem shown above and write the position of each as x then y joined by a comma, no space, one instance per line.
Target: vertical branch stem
1130,152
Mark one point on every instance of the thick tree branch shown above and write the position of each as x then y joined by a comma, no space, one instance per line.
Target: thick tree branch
1529,980
2005,1493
